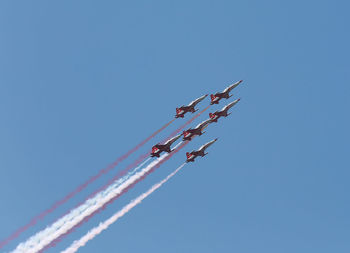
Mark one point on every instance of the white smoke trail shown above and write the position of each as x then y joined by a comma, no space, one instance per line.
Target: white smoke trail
44,237
104,225
37,242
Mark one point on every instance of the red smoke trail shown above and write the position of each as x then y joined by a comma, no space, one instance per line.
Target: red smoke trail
87,218
80,188
144,156
100,173
122,173
137,162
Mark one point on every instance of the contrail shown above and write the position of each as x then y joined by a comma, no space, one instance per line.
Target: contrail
44,239
81,187
104,225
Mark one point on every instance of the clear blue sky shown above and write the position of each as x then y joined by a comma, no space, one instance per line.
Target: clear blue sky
81,82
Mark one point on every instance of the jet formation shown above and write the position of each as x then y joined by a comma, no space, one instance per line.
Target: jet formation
190,133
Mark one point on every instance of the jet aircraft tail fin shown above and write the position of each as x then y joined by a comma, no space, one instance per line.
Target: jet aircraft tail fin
154,149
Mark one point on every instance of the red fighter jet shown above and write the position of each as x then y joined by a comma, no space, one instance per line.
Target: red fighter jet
200,152
181,111
225,94
159,148
190,133
223,112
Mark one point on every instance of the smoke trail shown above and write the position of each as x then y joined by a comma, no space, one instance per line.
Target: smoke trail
54,242
120,174
145,155
125,170
81,187
103,226
136,162
85,205
42,240
132,165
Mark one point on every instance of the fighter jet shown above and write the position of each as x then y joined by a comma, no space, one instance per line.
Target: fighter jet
159,148
190,133
223,112
225,94
181,111
200,152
